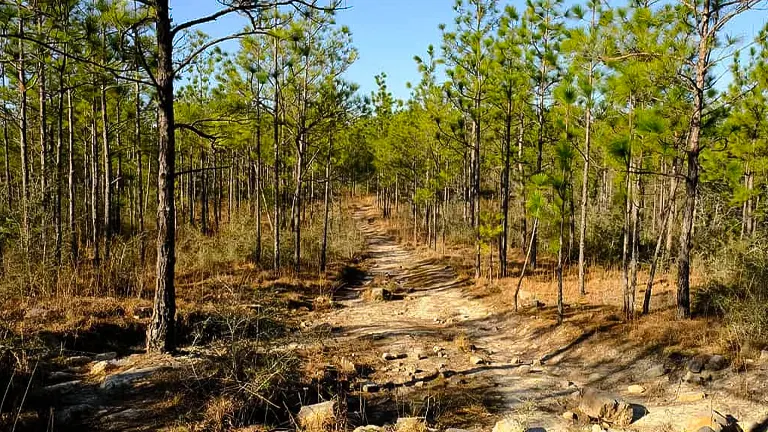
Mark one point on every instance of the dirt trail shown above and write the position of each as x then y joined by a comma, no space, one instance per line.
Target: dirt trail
529,370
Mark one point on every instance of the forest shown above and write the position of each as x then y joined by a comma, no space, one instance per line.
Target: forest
598,149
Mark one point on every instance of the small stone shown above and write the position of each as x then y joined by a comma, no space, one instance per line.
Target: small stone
317,416
606,407
437,349
476,360
536,363
524,369
370,387
716,363
418,384
570,415
565,384
515,360
105,356
636,389
697,363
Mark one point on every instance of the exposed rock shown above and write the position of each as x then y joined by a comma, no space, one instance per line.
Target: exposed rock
77,361
129,376
70,414
105,356
370,387
698,378
716,363
697,363
318,416
476,360
636,389
508,425
515,360
65,387
656,371
126,415
61,376
606,407
524,369
103,366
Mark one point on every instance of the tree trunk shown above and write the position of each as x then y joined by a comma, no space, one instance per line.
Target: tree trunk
95,182
107,156
23,143
161,330
584,202
276,175
525,262
326,204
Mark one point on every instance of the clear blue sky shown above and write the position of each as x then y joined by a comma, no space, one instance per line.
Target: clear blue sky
388,33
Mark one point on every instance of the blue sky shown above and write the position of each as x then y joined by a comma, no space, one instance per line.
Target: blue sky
388,33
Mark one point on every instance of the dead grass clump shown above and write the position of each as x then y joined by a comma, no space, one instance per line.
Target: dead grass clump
411,424
220,413
462,342
323,303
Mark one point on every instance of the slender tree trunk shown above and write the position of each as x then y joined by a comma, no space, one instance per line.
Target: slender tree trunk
7,154
139,176
326,204
95,220
107,167
161,330
59,171
73,239
276,175
505,190
23,142
692,178
525,263
584,202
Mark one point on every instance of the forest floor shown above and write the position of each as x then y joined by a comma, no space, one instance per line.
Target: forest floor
463,358
436,345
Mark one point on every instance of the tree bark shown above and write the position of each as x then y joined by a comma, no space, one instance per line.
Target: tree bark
161,330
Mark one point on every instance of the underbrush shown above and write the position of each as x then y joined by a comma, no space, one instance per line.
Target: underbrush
738,293
231,311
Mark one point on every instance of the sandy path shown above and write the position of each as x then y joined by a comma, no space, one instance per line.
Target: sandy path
438,307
